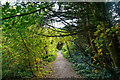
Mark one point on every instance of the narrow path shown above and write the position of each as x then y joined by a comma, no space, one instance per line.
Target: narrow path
62,68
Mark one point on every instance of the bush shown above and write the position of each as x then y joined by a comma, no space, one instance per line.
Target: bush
84,69
51,57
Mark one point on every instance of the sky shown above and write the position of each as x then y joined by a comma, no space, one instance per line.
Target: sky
4,1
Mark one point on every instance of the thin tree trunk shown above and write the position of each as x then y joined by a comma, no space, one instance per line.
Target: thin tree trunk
68,49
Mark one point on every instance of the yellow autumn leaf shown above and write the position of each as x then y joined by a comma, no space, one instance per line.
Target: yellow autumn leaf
8,12
107,30
101,53
101,45
95,70
101,28
94,59
92,70
102,34
98,47
110,44
98,63
112,27
117,27
102,77
99,50
38,59
92,40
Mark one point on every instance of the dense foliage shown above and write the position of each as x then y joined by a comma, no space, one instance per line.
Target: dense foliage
98,35
81,67
24,53
90,38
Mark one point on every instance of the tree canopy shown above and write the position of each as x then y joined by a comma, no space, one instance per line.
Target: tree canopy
29,40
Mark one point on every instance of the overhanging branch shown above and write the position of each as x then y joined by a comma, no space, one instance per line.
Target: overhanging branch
58,16
58,35
27,13
54,29
53,35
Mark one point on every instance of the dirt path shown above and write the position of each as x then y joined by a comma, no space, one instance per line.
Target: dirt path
62,68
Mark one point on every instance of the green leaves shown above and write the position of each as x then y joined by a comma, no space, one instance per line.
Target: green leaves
98,27
96,33
107,30
25,47
6,6
110,44
102,35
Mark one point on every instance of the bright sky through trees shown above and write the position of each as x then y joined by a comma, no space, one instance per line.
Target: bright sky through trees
56,24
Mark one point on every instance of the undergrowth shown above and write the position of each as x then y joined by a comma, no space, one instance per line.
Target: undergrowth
84,69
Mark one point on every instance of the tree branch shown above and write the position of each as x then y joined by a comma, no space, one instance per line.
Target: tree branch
85,59
58,16
27,13
55,29
58,35
53,35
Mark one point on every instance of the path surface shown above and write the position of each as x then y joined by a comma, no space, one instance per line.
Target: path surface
62,68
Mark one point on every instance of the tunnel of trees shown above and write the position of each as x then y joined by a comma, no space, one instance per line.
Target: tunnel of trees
90,38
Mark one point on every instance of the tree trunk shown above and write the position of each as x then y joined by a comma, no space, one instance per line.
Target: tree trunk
68,49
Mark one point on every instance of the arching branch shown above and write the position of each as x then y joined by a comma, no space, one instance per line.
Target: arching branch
27,13
58,35
55,29
58,16
53,35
